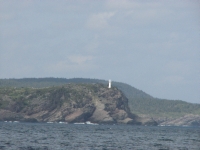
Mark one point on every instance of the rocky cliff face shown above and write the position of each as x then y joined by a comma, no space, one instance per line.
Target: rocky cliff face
186,120
70,103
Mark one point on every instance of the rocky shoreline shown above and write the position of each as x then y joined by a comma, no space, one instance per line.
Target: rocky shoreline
70,103
77,103
186,120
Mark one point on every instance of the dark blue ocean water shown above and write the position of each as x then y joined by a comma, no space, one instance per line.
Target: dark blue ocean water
43,136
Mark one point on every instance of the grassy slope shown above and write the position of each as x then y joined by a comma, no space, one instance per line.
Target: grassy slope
57,94
139,101
142,103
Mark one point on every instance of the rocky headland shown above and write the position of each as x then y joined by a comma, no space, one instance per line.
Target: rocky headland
70,103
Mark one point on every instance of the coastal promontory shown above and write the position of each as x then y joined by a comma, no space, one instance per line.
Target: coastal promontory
70,103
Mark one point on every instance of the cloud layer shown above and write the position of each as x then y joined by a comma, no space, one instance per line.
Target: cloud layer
152,45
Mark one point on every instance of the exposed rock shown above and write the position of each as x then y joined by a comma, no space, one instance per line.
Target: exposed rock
147,121
187,120
70,103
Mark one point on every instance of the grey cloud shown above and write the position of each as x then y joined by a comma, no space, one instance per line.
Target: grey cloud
154,46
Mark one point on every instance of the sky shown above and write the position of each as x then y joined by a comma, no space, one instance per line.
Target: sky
152,45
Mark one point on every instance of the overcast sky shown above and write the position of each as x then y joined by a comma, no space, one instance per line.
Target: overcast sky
151,45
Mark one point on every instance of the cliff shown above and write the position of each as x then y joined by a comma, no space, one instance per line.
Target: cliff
70,103
186,120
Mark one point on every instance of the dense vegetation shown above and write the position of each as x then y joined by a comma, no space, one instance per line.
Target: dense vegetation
142,103
55,94
139,101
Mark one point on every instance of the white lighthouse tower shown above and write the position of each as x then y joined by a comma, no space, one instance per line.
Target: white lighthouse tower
109,84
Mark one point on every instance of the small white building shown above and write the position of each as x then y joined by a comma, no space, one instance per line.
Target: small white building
109,84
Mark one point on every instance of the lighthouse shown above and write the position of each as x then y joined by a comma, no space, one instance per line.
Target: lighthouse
109,84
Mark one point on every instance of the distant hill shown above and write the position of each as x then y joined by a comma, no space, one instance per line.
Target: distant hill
143,104
140,102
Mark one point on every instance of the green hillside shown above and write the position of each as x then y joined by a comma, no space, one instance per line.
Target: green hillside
139,102
144,104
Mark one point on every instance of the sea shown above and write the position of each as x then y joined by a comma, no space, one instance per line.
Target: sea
57,136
